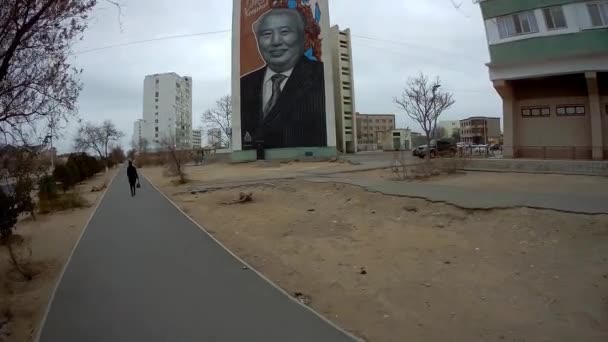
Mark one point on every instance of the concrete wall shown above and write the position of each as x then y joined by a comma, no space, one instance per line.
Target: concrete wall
553,136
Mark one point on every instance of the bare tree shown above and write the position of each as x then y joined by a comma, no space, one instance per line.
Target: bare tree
36,80
220,117
423,101
99,139
176,157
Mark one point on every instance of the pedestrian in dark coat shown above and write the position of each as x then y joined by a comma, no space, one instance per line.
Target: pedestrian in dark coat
133,177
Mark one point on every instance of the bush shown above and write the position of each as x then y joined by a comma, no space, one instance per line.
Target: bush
47,187
8,214
66,175
85,165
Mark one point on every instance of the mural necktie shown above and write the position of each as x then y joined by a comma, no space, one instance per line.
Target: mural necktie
276,91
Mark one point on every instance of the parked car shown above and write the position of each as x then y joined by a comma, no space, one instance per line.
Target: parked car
495,147
439,147
480,149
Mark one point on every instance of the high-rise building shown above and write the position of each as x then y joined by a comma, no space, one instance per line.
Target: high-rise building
344,90
168,109
196,138
549,64
138,131
372,129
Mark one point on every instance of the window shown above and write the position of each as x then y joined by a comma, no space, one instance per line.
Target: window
541,111
598,13
156,100
177,85
157,81
156,129
554,18
156,94
156,107
156,113
570,110
156,136
156,121
516,24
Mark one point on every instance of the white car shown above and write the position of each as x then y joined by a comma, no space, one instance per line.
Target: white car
480,149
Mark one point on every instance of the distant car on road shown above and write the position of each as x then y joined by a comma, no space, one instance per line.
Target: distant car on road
439,147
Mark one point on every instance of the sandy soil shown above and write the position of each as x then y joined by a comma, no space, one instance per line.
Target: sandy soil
52,238
433,272
220,172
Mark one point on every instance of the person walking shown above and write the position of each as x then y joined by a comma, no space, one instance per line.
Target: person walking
133,177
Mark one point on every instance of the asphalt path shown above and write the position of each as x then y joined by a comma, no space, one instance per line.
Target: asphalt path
144,272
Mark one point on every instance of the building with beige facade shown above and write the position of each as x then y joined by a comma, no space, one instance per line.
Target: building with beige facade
372,129
344,90
480,130
549,64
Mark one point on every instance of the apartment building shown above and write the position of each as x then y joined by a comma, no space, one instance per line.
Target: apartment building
197,138
138,131
167,109
372,130
549,64
344,90
480,130
448,127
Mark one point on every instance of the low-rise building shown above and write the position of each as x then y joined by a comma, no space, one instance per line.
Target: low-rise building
480,130
372,129
398,140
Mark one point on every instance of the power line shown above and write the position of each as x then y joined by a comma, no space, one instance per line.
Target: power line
150,40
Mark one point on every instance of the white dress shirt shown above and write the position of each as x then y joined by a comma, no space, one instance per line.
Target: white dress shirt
267,91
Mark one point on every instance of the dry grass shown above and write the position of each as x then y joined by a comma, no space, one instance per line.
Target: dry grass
70,200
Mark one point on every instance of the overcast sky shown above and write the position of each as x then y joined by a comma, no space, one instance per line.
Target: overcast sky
431,36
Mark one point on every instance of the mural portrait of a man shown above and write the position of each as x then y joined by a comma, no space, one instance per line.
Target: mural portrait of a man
283,103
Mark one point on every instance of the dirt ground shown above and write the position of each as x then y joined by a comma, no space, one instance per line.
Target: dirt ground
220,172
432,272
52,238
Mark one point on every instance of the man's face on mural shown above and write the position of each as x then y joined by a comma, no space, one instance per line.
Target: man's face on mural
280,35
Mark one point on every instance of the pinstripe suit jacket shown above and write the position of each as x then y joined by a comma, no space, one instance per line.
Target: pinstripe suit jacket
298,118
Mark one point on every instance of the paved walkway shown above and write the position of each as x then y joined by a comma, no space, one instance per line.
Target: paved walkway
144,272
584,203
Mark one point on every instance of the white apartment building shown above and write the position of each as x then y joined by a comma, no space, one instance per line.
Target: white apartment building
344,91
167,109
138,131
449,126
196,138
